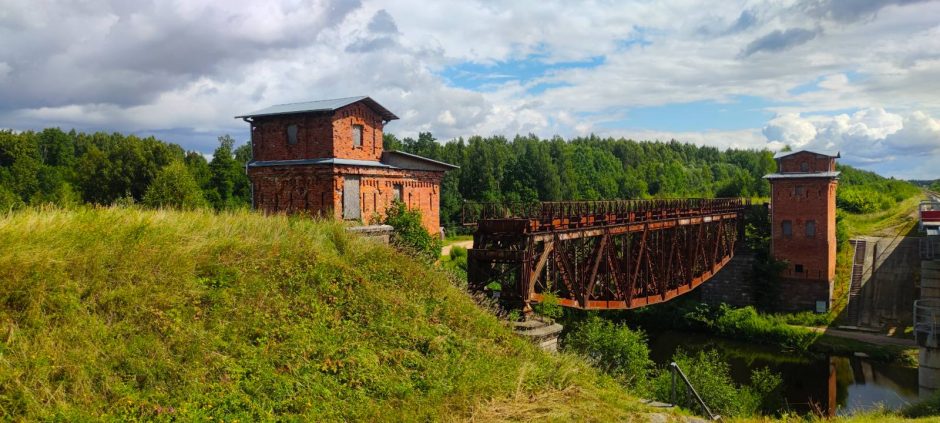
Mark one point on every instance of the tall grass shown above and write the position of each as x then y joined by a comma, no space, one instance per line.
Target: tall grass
125,314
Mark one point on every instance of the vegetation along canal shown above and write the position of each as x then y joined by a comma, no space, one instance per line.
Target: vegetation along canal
811,382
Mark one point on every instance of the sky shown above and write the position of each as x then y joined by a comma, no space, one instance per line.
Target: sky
861,77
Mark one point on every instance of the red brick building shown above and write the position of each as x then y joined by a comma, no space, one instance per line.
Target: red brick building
803,219
326,158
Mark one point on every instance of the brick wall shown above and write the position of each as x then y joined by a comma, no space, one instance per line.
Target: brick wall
815,163
318,190
343,121
817,254
319,135
733,285
314,137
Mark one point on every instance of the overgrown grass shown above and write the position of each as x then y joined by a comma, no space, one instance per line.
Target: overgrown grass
898,217
125,314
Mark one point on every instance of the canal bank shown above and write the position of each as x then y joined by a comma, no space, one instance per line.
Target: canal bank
812,382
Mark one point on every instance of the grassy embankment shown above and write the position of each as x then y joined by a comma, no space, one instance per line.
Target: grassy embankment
124,314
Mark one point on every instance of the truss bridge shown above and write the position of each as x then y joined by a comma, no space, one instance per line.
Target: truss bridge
601,255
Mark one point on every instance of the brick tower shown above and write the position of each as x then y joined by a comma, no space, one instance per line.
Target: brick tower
326,158
803,219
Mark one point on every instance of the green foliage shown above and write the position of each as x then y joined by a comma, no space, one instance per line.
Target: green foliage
528,168
410,234
114,314
926,407
65,169
549,307
616,349
744,324
711,378
174,187
861,191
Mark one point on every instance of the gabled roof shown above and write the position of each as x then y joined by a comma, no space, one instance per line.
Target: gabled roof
321,106
834,155
403,160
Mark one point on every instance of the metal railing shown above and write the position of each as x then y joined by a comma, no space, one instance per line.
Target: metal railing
547,210
927,322
689,388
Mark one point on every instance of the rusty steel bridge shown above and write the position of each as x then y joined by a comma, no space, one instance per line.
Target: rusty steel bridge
601,255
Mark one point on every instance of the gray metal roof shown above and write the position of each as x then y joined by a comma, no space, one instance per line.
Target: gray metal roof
420,158
326,161
320,106
834,154
801,175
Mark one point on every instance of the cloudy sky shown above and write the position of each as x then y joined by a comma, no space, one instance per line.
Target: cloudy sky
858,76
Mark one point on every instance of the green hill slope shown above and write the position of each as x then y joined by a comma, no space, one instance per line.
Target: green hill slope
127,314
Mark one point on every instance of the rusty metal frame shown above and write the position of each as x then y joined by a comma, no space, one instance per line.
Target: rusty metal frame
602,254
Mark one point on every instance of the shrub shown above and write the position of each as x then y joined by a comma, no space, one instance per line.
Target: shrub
410,234
711,378
616,349
549,307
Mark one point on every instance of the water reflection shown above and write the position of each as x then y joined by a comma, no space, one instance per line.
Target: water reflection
831,385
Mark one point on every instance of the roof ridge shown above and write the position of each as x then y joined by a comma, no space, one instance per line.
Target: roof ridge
317,101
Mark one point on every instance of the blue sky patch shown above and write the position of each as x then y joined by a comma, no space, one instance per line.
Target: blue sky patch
483,77
739,113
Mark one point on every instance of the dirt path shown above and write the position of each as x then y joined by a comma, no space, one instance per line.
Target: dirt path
871,338
465,244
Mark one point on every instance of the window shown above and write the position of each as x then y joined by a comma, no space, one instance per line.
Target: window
292,134
787,227
357,135
804,167
810,228
396,192
798,268
800,191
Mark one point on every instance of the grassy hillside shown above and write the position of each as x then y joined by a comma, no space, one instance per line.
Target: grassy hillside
127,314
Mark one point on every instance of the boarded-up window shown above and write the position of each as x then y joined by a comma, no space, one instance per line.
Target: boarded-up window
787,227
810,228
396,192
292,134
357,135
351,198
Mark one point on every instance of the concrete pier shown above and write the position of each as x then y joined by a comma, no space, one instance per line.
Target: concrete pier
927,335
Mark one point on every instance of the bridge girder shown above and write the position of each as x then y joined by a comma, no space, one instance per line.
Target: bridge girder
632,255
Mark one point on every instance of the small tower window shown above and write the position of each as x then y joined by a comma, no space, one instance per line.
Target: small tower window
804,167
798,268
396,192
357,135
787,227
292,134
800,191
810,228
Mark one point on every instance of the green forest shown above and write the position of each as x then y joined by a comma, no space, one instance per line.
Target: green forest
69,168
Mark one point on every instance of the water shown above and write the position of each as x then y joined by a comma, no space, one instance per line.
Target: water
831,384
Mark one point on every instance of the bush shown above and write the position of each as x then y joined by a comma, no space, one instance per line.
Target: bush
410,234
174,187
616,349
549,307
711,378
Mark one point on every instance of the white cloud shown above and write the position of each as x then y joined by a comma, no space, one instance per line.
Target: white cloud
185,68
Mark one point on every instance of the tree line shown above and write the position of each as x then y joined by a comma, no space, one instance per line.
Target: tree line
67,168
528,168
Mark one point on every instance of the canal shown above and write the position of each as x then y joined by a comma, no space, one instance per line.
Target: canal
834,384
